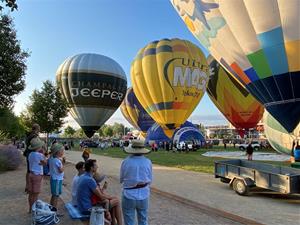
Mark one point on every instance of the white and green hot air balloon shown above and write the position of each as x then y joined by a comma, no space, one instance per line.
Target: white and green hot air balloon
278,136
94,86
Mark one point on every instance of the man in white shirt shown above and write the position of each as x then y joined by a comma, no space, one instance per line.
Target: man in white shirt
136,177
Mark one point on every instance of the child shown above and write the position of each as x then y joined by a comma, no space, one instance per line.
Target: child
86,153
80,168
36,161
56,172
102,202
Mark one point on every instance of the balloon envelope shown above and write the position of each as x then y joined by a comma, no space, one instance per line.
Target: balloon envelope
94,86
188,132
241,109
169,78
278,137
134,112
258,42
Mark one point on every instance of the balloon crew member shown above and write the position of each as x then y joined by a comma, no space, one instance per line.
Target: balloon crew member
295,154
249,151
136,177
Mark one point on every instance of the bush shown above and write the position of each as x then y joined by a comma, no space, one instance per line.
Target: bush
10,157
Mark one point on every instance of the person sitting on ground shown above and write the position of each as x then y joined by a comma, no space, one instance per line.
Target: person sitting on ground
36,160
80,170
96,201
56,172
112,206
86,153
87,186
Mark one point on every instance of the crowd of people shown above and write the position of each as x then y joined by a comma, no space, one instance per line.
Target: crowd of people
87,188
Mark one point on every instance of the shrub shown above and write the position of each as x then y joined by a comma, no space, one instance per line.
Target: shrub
10,157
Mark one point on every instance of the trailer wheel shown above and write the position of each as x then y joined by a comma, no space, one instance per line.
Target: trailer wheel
240,187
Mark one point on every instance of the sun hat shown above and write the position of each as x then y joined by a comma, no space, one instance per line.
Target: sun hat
136,147
36,143
99,177
56,148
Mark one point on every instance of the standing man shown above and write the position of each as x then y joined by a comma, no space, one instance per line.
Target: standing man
136,177
33,134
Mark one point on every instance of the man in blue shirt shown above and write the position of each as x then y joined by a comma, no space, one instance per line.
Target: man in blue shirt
87,186
136,177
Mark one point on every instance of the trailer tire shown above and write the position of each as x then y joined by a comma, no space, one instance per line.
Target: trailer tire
240,187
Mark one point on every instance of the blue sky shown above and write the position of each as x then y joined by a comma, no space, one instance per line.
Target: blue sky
53,30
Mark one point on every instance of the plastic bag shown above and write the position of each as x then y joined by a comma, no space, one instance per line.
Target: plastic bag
97,216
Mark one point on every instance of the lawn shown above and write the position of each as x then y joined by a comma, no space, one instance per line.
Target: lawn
193,161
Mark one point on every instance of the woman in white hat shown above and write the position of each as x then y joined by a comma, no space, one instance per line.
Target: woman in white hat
136,177
36,161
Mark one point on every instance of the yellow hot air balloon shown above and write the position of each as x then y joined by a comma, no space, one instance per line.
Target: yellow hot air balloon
169,78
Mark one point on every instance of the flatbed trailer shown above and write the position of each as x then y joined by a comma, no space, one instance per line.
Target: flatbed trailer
243,174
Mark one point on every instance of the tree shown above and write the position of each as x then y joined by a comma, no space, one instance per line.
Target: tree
10,124
9,3
108,131
118,129
13,59
69,131
47,108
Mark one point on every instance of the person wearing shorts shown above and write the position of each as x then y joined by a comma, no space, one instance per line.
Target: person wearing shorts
56,172
36,160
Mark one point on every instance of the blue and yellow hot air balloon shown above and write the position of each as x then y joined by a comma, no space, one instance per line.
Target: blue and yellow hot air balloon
135,114
169,78
258,42
94,86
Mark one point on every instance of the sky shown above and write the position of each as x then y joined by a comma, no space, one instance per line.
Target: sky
53,30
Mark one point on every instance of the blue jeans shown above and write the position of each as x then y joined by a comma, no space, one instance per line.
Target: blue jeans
129,206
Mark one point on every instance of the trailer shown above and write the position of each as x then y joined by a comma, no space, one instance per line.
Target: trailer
242,175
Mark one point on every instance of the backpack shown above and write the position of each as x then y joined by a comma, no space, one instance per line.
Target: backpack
43,214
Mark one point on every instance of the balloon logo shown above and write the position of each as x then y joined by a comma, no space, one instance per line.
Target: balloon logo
94,86
169,78
239,107
256,41
135,114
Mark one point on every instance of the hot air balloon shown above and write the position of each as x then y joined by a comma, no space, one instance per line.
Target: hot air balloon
135,114
94,86
239,107
169,78
277,136
258,42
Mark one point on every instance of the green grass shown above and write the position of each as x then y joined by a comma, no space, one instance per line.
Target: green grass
193,161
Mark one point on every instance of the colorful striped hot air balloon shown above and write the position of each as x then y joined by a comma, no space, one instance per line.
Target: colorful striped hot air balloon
135,114
258,41
169,78
241,109
94,86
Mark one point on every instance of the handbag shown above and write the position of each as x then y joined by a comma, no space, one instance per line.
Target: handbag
43,214
97,216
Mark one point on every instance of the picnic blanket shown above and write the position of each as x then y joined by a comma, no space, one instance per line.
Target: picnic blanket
74,212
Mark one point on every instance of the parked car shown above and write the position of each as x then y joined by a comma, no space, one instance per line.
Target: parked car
255,145
188,143
89,143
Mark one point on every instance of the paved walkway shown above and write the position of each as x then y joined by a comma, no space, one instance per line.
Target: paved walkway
203,189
